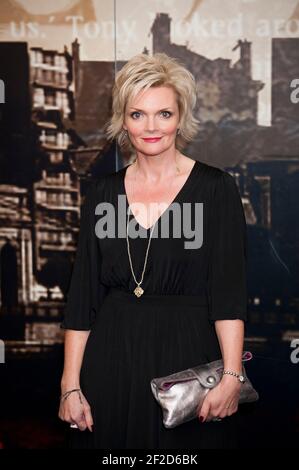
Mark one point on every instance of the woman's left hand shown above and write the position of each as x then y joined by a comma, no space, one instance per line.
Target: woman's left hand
222,400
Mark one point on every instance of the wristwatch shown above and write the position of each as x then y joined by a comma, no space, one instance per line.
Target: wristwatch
240,377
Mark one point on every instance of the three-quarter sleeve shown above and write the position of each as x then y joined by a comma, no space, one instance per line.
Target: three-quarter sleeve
227,280
85,291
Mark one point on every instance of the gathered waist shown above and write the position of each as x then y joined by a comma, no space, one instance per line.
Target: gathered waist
169,299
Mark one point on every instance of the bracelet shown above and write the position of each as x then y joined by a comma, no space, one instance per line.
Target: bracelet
240,377
65,395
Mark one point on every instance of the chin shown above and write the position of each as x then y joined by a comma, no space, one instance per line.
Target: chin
152,149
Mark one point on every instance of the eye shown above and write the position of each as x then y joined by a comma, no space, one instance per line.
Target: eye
168,114
134,112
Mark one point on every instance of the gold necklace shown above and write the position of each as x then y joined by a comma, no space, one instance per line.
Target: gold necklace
138,291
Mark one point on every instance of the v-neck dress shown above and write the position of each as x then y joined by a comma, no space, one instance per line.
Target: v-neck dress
169,328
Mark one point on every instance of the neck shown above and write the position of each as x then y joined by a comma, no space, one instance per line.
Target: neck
153,168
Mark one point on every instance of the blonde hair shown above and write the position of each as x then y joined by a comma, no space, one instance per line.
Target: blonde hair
142,72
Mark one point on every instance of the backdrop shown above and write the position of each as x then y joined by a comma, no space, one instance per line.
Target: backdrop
57,66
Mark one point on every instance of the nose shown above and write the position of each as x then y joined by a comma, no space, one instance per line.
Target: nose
150,124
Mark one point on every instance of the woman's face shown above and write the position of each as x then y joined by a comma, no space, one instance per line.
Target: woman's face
153,113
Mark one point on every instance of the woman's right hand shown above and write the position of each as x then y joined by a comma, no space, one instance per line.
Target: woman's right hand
76,410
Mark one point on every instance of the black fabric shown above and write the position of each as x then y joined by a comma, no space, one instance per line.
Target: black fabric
170,327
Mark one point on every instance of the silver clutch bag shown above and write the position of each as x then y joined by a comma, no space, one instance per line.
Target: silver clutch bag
181,394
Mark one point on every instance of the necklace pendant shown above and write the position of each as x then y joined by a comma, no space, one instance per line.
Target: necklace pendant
138,291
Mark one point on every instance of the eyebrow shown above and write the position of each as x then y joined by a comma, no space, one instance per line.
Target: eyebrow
163,109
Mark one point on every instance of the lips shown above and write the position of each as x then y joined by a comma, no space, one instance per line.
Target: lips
152,139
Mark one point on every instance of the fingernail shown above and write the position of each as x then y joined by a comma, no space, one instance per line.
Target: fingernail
201,419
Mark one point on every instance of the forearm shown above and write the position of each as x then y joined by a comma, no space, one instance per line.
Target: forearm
74,346
230,335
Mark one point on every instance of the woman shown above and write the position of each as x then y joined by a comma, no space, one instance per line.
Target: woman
147,306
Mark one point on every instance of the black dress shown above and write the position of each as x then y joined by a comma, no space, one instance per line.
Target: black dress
171,326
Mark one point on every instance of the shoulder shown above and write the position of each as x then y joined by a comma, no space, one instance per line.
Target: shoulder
216,178
94,187
213,172
99,186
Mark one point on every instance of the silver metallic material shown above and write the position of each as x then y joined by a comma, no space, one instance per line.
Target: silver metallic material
181,394
240,377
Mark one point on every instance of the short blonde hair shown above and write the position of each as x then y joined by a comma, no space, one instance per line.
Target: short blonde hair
142,72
